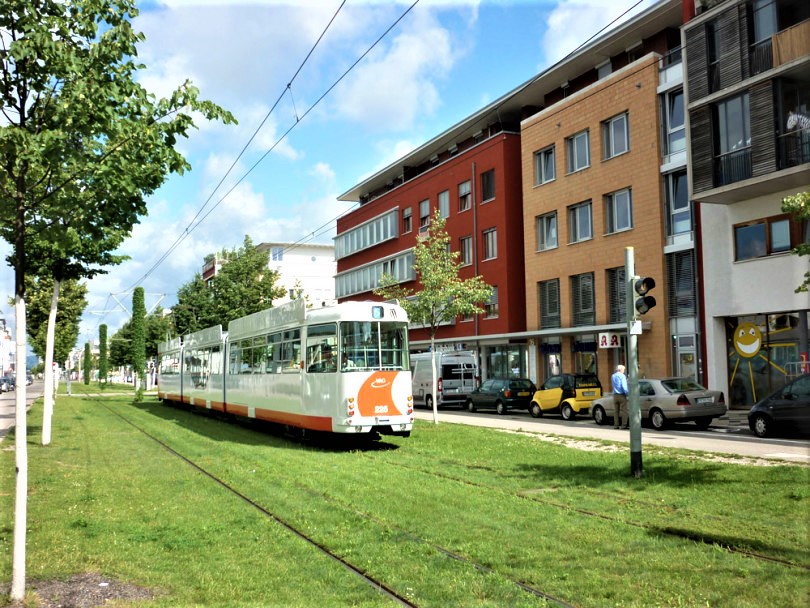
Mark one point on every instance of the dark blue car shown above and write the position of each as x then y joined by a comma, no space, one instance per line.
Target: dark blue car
786,410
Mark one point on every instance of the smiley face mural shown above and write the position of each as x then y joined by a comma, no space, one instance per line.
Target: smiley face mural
747,340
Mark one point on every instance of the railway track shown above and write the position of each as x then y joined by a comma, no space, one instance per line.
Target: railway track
380,586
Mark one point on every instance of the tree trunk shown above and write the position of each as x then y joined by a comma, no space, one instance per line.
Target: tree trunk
434,389
21,453
50,385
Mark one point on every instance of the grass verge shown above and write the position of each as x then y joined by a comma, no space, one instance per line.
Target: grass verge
103,497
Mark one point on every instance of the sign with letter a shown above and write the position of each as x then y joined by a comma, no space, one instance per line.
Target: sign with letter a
609,340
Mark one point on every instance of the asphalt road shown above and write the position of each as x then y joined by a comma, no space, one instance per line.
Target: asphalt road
727,435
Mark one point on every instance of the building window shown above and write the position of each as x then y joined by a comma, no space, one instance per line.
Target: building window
465,246
547,231
604,69
580,224
619,211
674,123
713,55
277,254
583,311
733,140
679,211
765,237
615,136
367,278
444,203
491,307
681,287
407,225
617,295
488,185
579,156
490,244
544,169
424,215
549,299
464,197
377,230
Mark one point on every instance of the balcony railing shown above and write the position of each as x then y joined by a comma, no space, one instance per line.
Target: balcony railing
761,56
794,149
732,167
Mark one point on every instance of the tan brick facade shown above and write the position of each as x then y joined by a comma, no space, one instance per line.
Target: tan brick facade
631,90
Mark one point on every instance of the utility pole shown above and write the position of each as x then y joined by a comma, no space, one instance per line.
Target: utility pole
638,303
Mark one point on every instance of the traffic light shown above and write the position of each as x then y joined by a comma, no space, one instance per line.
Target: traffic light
643,303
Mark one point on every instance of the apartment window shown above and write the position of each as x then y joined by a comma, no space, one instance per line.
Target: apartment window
580,224
544,169
733,140
615,136
373,232
490,244
604,69
549,298
407,224
583,311
619,211
674,123
617,295
444,203
277,254
579,156
491,307
488,185
547,231
681,286
424,215
679,211
465,246
464,197
765,237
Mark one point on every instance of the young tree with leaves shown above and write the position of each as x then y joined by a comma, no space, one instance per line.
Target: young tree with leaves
442,295
798,206
87,364
80,139
103,368
138,344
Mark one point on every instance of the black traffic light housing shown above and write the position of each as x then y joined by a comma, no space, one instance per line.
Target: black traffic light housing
643,303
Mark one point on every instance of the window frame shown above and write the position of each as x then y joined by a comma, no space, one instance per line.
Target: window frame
611,215
608,138
488,186
675,216
489,242
571,149
465,247
464,196
767,247
544,229
553,319
407,220
540,174
424,215
444,203
574,224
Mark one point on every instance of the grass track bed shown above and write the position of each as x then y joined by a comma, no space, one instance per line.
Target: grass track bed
103,494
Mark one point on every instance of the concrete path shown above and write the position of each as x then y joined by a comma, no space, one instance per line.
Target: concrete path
8,409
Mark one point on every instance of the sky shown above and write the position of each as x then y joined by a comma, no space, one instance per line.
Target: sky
312,126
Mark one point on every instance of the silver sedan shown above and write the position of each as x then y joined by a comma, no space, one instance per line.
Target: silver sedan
667,400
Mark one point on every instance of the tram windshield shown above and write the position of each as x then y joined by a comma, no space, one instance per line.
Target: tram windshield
367,346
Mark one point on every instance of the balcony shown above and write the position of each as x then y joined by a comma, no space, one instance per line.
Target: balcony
791,43
761,56
794,149
732,167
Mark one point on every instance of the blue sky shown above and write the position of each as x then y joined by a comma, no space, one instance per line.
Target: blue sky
443,61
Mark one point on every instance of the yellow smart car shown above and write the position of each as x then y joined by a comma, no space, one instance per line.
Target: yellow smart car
570,394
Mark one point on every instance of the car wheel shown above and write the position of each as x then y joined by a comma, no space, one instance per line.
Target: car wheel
470,406
703,423
761,425
500,407
568,412
535,411
599,415
658,420
429,402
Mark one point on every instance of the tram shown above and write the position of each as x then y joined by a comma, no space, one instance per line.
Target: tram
338,369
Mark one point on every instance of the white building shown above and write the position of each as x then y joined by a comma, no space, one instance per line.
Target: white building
308,269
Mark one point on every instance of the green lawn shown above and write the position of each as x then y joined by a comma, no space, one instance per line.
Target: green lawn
103,497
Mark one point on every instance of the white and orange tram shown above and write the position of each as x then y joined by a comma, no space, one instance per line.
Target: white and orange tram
339,369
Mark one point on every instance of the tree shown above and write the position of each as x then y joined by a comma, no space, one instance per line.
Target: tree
72,302
195,307
82,141
799,206
443,295
103,370
87,364
138,343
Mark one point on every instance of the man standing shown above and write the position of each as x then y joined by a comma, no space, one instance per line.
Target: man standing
619,382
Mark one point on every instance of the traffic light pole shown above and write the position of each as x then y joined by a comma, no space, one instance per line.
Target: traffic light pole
633,330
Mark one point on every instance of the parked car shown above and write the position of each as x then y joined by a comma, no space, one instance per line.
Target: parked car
7,383
29,380
667,400
569,394
784,410
502,394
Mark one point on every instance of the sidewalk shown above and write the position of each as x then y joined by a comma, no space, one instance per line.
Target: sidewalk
8,409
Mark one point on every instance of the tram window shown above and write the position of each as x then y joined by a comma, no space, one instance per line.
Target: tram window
233,364
291,349
321,353
273,365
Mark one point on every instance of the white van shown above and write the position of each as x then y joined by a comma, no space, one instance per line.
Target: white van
457,375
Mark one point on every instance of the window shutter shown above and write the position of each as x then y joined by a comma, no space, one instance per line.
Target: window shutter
681,287
702,150
763,129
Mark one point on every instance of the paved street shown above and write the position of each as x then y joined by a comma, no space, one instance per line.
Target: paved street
7,409
728,435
